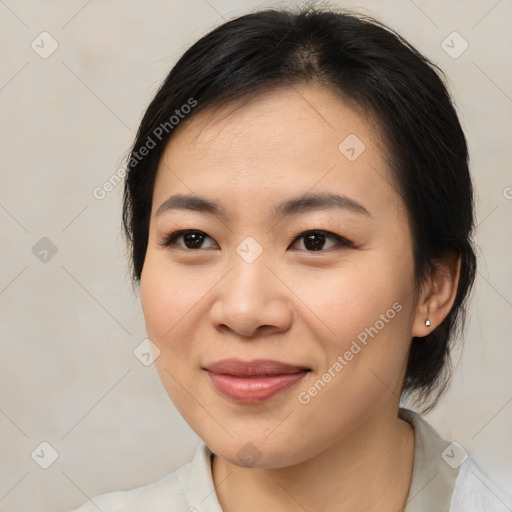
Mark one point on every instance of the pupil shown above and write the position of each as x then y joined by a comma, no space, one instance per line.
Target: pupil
310,244
193,239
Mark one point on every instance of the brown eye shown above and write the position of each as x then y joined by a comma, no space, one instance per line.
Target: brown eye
192,239
316,240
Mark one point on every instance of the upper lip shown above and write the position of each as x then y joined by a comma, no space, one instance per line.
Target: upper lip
255,367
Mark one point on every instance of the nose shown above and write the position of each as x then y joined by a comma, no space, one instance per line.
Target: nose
251,300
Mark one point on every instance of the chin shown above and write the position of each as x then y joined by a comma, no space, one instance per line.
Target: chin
259,451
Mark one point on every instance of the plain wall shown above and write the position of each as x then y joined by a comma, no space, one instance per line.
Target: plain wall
68,375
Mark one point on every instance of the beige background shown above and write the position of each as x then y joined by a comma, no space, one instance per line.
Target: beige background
68,375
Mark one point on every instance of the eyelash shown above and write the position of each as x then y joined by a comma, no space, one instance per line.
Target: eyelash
170,239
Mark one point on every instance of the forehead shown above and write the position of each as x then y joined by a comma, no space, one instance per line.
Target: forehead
294,118
284,142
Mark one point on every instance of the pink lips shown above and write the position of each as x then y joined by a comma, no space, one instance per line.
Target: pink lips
253,381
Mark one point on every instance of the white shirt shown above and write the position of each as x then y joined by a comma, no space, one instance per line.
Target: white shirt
444,479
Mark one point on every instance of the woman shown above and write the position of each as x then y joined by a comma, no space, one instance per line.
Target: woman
299,211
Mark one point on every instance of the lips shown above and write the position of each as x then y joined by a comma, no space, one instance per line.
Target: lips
254,368
253,381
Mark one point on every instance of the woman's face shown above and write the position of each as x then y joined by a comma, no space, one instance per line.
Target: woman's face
246,282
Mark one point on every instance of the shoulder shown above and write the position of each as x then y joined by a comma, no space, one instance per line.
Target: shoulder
445,474
475,491
168,493
151,496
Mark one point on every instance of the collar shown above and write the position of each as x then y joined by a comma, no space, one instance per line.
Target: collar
432,481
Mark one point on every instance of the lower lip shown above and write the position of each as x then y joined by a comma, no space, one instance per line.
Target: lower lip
254,389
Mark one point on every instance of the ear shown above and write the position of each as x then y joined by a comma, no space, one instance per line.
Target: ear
438,294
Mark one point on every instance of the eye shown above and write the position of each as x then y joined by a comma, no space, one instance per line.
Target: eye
192,239
314,240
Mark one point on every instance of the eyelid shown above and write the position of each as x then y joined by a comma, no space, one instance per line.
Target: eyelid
329,234
168,240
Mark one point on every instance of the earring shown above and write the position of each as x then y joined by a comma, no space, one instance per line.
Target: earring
427,322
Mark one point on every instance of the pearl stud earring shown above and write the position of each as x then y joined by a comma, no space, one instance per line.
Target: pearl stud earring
427,322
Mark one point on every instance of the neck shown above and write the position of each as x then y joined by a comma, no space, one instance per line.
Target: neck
368,470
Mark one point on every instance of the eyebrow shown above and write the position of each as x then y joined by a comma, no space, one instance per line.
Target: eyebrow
294,206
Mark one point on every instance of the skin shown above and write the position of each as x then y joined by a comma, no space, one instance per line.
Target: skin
291,304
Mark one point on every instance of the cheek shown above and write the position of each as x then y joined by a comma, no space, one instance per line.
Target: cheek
350,298
167,295
156,301
364,311
169,299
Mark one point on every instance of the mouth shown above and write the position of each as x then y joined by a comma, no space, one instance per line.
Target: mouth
253,381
